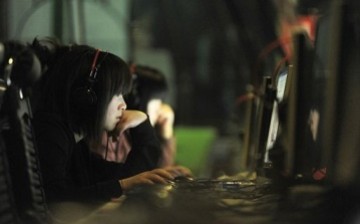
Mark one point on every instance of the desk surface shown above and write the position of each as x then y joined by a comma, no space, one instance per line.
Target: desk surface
263,204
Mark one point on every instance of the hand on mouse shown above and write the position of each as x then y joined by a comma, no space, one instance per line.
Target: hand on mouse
179,171
161,176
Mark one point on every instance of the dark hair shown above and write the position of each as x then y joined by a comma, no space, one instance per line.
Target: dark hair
68,70
148,83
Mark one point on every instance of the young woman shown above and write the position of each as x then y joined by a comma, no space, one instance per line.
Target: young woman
81,96
148,93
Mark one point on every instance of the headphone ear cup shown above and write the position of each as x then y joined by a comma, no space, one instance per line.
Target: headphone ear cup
84,97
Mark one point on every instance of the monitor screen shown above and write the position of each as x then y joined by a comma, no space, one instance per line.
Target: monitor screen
274,122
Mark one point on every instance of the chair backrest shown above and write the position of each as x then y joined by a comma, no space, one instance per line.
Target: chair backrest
22,157
8,214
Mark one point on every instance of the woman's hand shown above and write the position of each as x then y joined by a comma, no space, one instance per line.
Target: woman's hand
179,171
160,176
129,119
165,121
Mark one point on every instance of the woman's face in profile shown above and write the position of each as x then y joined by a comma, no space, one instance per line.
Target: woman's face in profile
114,112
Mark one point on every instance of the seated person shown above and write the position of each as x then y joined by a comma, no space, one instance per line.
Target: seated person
147,95
81,97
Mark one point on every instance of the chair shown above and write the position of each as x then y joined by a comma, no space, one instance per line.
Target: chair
22,158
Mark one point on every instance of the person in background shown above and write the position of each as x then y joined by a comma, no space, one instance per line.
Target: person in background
81,97
148,94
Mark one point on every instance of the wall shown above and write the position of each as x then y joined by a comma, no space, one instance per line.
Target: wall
104,24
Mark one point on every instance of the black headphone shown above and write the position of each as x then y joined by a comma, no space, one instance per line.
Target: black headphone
86,96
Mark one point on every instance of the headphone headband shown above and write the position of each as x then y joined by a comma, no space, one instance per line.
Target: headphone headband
86,95
94,66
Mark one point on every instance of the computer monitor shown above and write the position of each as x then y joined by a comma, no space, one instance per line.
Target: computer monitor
298,162
263,121
272,134
341,126
249,115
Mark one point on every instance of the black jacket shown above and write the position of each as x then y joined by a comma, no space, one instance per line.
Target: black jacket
71,173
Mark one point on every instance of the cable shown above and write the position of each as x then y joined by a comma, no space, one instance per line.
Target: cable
266,51
107,146
277,69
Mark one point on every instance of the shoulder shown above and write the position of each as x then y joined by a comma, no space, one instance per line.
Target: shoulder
51,127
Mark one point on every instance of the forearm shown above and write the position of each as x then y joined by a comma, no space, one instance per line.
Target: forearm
146,150
99,192
168,152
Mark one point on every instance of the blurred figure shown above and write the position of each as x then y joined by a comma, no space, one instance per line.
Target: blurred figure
147,94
